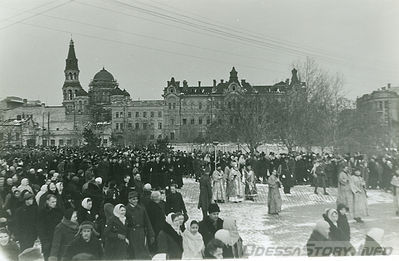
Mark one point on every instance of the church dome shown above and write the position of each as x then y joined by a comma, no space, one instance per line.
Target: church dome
103,75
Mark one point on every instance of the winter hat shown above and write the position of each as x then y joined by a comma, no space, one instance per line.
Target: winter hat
224,236
28,195
147,186
322,227
87,225
377,234
133,194
342,206
213,208
68,213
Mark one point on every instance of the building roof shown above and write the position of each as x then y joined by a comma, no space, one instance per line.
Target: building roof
118,91
82,92
71,61
103,75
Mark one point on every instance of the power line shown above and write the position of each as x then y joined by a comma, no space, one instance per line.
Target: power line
27,10
34,15
144,47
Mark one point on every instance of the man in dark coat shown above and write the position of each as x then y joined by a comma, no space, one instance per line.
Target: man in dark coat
210,224
48,219
175,203
205,196
86,242
64,233
25,222
141,229
156,213
287,178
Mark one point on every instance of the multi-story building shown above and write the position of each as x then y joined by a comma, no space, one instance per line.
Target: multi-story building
183,114
383,102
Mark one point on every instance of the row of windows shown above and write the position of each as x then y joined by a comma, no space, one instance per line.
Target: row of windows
200,121
61,142
382,104
144,114
24,116
144,126
216,105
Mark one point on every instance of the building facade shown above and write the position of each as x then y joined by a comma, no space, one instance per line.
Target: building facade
183,114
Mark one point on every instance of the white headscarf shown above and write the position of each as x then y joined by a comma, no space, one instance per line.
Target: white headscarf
43,190
231,225
85,203
117,213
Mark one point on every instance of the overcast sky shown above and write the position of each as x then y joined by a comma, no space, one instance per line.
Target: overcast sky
143,43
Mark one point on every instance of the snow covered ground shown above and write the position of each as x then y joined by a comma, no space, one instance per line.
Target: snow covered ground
301,210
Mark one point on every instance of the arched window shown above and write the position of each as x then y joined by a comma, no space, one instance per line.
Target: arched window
80,105
70,95
76,93
70,76
75,76
65,95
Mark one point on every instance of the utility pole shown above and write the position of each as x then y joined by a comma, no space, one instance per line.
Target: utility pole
48,128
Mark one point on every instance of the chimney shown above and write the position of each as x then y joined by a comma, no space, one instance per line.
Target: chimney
221,81
199,83
214,83
389,85
242,81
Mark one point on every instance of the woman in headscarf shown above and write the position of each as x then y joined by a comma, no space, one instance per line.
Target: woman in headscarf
116,235
169,239
193,244
43,190
85,213
236,241
51,189
25,186
224,236
336,236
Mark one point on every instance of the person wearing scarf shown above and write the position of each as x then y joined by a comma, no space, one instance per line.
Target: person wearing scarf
43,190
116,235
236,241
64,233
25,186
85,213
169,240
336,236
193,244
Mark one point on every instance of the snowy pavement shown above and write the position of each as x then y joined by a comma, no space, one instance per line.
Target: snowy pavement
301,210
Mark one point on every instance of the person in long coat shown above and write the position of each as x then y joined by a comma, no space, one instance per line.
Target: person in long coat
236,184
205,195
48,219
85,242
274,201
345,195
170,240
140,234
358,187
218,185
287,178
395,192
174,202
342,222
156,213
64,233
250,182
25,222
116,234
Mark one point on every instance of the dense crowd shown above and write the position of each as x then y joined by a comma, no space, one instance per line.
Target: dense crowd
124,203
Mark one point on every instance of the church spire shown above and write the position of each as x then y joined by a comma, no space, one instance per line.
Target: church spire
233,75
71,61
294,77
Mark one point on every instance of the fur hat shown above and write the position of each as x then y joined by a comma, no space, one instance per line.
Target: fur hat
213,208
87,225
133,194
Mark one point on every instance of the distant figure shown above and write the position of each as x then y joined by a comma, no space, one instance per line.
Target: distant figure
274,201
205,196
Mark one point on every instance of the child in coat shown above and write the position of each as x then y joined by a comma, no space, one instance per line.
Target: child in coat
193,245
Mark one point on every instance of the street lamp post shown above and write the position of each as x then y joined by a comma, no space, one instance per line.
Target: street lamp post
215,143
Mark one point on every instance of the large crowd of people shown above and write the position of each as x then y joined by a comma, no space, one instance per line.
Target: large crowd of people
124,203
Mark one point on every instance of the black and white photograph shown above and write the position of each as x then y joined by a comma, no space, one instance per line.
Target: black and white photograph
198,129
